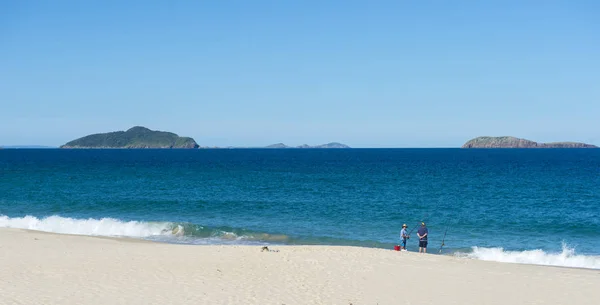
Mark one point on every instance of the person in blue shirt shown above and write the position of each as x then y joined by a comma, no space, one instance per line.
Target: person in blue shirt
404,236
422,233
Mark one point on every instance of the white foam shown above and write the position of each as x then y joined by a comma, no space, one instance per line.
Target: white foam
98,227
566,258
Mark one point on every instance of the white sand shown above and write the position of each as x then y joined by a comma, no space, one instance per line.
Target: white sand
42,268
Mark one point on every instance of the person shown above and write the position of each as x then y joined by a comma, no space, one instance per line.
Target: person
404,236
422,233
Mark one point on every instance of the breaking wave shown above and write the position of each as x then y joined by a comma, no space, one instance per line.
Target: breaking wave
566,258
98,227
158,231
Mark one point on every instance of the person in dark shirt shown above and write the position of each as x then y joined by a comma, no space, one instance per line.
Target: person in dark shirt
422,234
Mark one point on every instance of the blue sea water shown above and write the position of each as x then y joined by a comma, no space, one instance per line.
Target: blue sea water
525,206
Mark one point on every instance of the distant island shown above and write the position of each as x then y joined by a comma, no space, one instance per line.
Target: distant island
512,142
328,145
136,137
142,137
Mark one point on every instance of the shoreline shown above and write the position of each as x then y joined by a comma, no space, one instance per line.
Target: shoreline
49,268
432,252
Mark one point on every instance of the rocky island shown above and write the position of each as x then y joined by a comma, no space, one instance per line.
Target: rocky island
328,145
512,142
136,137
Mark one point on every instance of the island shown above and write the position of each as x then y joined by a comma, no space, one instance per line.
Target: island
512,142
135,137
328,145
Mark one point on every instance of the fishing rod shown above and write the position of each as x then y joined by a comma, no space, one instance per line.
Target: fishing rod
414,228
418,224
443,239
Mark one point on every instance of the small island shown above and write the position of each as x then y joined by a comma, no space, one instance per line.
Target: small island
512,142
136,137
328,145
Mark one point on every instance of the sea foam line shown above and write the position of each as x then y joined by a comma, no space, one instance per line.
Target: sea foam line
158,231
566,258
98,227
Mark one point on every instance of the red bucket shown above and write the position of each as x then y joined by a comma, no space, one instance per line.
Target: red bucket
397,248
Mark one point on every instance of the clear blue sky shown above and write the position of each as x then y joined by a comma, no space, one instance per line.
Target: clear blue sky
365,73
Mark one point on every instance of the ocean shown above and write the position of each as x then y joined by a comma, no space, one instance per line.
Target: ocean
538,206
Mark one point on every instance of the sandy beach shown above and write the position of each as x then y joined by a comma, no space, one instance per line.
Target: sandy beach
44,268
